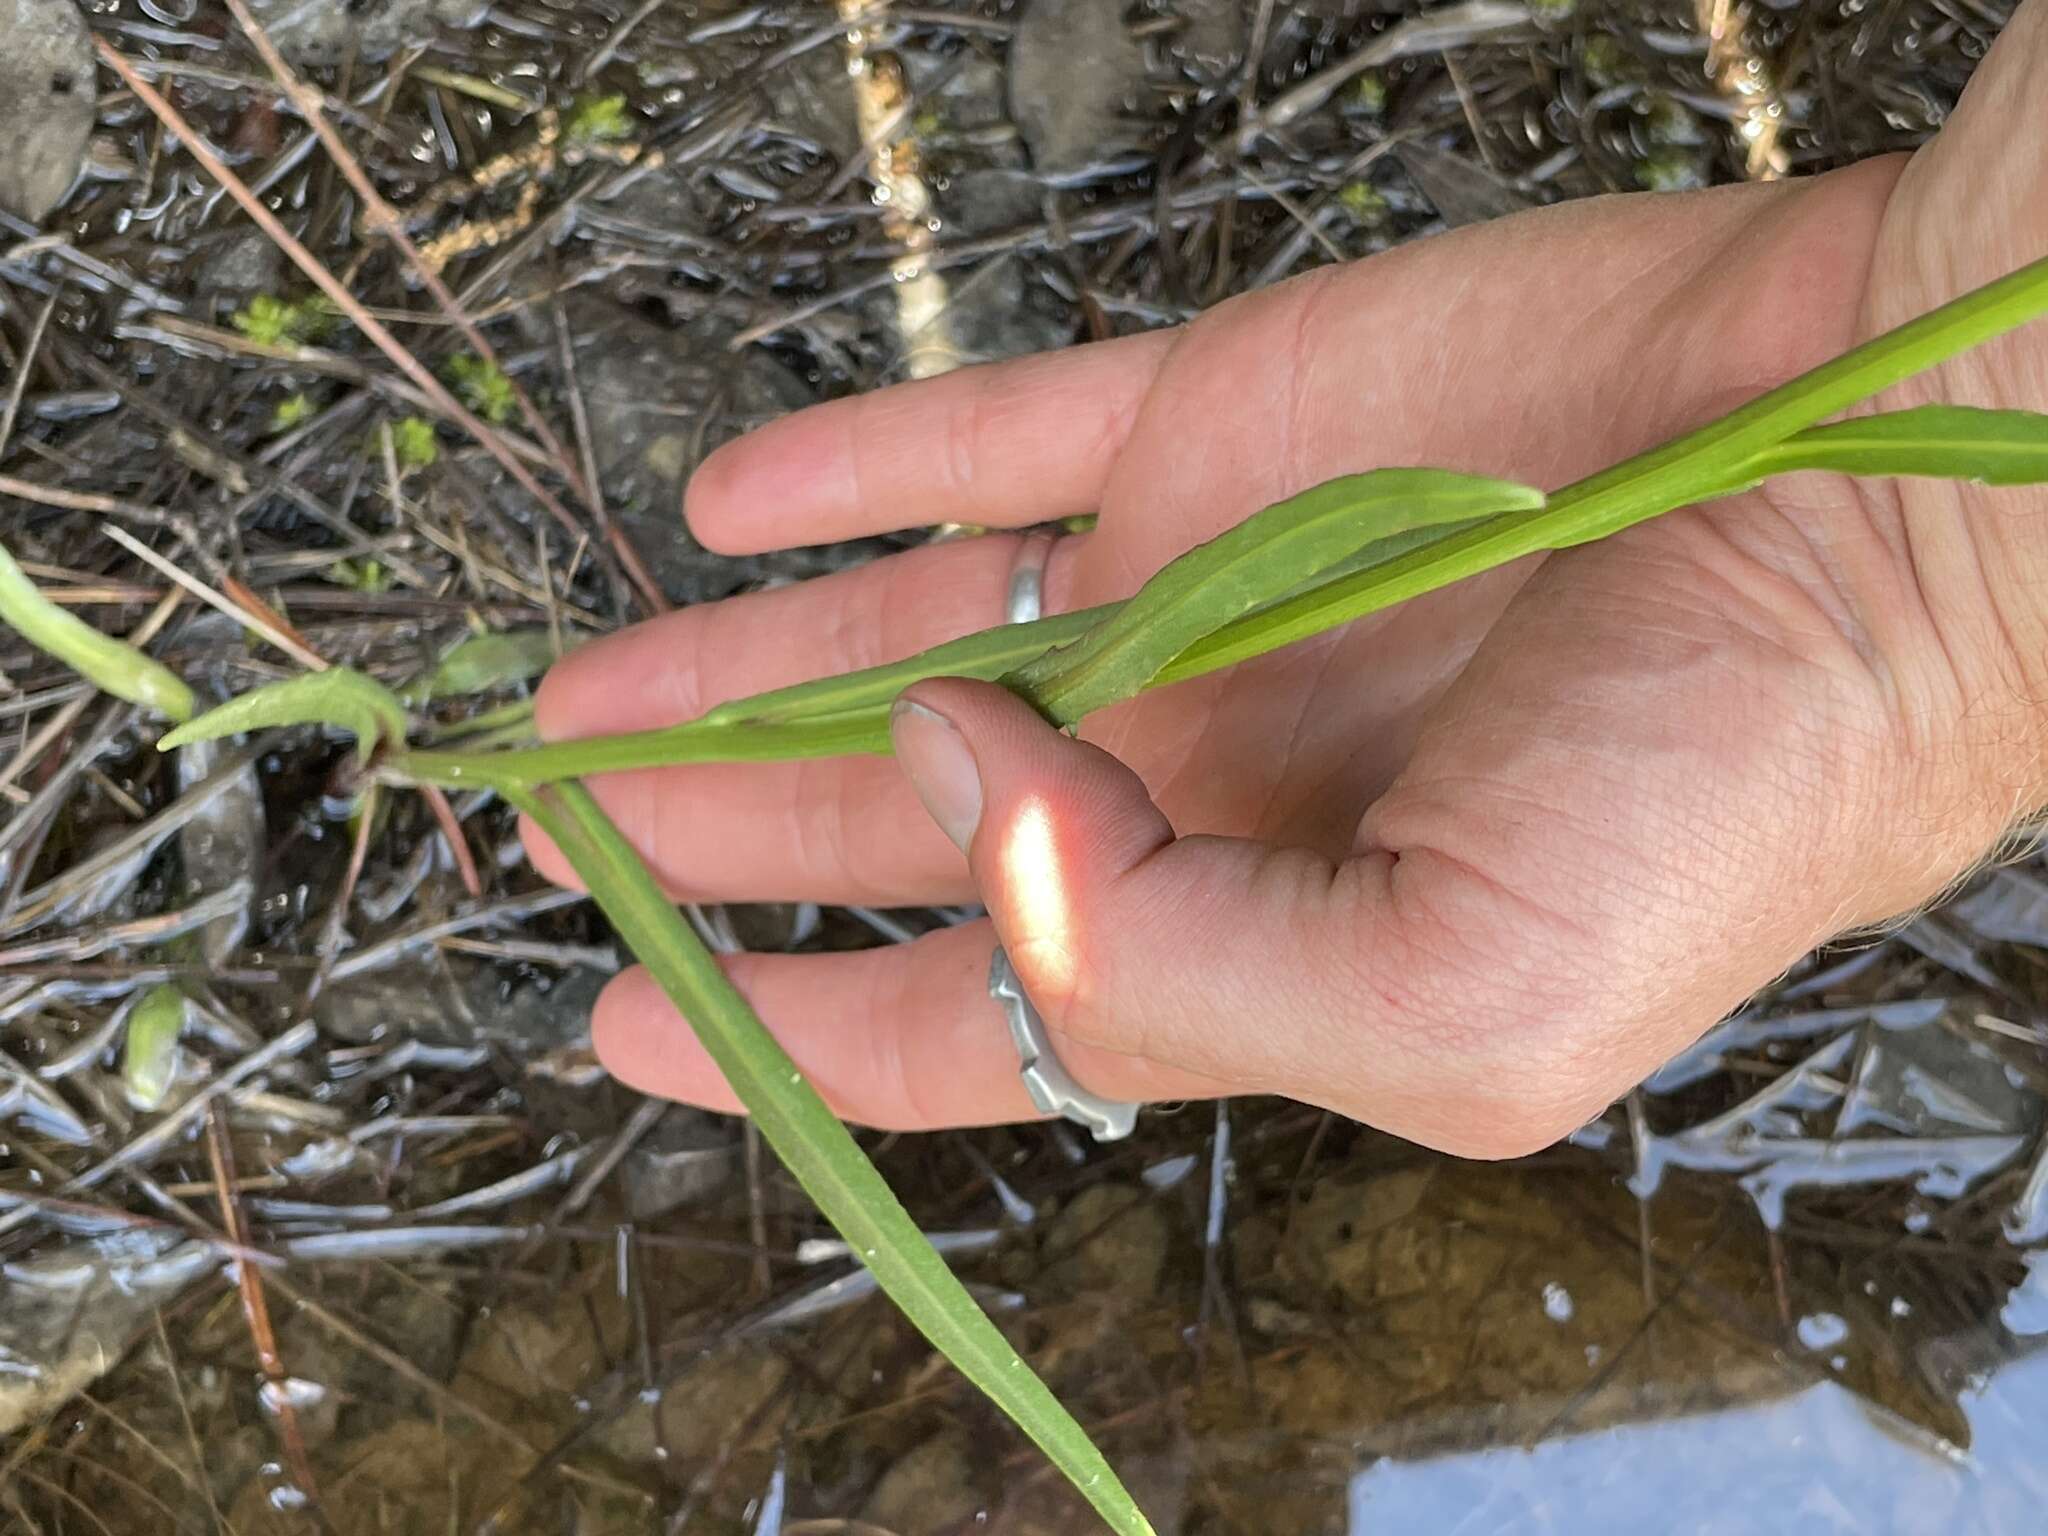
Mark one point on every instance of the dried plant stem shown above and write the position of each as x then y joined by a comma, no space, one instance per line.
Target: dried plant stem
380,336
256,1309
386,220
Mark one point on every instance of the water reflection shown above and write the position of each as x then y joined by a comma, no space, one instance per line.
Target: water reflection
1819,1461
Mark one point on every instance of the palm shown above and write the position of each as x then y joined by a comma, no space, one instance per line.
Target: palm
1582,805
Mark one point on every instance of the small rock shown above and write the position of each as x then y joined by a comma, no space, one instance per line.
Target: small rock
812,98
1460,189
659,400
59,1335
1110,1240
687,1157
47,94
1210,42
933,1488
1075,70
701,1410
450,999
324,33
232,268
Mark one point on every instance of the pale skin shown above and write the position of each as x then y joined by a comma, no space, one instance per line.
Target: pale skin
1465,871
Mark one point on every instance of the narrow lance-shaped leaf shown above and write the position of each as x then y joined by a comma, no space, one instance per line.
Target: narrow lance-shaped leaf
831,717
103,661
338,697
987,655
1950,442
1260,560
486,661
1702,463
1678,473
815,1146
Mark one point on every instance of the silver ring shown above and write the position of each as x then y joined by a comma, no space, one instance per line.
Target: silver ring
1051,1089
1025,602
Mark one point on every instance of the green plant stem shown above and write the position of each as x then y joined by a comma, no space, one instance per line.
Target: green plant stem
849,714
1689,469
103,661
816,1148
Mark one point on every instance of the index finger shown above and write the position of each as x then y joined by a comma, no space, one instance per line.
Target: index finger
1004,445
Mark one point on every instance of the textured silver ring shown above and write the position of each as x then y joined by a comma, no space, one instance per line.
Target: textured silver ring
1025,600
1045,1079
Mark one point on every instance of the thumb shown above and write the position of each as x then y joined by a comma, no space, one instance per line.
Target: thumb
1051,827
1233,965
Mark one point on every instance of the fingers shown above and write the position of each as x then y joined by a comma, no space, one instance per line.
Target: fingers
1002,446
903,1038
1165,968
837,830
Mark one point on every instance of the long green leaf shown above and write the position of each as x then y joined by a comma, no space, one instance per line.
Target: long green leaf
987,655
1951,442
849,713
1243,568
1688,469
337,696
815,1146
832,717
103,661
485,661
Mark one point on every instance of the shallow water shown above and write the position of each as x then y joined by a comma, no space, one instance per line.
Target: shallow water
1795,1285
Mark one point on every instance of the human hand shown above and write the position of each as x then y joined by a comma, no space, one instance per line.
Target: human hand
1465,870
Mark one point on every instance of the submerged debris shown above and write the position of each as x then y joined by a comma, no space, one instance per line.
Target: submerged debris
507,1290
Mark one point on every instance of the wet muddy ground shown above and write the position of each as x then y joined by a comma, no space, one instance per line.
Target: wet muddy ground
1792,1284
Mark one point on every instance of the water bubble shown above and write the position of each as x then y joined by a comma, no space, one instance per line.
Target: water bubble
1557,1303
1822,1330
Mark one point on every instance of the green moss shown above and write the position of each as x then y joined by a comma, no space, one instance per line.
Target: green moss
290,412
413,441
482,386
1605,61
599,120
273,322
1363,201
1369,92
369,577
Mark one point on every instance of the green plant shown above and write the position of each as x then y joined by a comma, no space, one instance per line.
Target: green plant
1310,564
104,661
599,120
1363,201
481,385
413,442
273,322
290,411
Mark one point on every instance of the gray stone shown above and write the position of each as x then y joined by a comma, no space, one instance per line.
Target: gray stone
659,400
687,1157
1075,72
1462,190
450,999
236,266
325,31
812,97
68,1315
1211,39
47,90
932,1488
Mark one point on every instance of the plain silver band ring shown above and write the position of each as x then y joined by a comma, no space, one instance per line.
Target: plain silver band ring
1025,600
